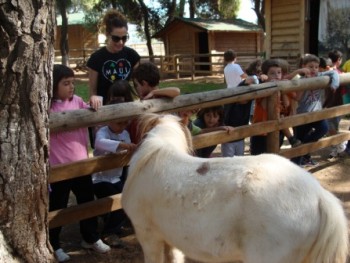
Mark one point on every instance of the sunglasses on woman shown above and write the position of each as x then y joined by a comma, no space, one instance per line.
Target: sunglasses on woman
118,38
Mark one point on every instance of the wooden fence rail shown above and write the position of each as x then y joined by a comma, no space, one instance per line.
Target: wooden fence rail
177,65
85,118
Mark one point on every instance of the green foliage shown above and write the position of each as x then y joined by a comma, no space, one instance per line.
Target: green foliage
229,8
338,31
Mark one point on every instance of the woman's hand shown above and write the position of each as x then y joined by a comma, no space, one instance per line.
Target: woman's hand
96,102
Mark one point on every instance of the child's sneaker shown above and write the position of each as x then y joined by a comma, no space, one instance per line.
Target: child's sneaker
307,162
61,256
341,147
294,142
113,240
98,246
334,153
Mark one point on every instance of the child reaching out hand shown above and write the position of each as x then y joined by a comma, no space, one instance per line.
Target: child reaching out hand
66,147
208,120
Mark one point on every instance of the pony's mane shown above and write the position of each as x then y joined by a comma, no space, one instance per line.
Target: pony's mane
161,134
147,122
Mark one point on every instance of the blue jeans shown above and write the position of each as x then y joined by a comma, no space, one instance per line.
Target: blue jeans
310,132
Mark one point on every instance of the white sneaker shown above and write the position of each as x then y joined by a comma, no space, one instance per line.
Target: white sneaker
61,255
341,147
98,246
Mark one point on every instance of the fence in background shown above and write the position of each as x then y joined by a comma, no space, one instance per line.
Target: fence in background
173,66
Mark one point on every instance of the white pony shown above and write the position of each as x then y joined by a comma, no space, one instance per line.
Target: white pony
256,209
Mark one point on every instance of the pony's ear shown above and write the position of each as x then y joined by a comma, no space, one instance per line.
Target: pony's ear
147,122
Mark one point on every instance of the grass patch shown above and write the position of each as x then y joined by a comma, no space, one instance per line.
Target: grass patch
82,90
186,87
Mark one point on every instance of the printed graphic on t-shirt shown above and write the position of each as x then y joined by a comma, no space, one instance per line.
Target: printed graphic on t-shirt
312,97
113,70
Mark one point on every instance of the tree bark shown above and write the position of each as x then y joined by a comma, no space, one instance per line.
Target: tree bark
26,61
146,27
192,8
259,9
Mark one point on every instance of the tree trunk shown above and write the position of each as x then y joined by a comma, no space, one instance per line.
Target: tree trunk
192,8
171,11
145,14
182,8
26,61
64,46
259,9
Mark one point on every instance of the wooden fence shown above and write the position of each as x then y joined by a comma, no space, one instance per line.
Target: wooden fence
175,66
85,118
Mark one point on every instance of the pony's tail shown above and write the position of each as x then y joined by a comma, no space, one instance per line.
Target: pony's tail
331,244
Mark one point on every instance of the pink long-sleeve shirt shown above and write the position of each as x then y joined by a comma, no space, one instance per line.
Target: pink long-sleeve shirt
68,146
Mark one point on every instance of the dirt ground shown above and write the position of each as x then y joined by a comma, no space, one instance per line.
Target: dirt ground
333,175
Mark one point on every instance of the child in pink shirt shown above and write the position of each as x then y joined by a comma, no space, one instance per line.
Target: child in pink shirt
65,147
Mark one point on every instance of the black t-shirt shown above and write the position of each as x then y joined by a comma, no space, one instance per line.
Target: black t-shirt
112,66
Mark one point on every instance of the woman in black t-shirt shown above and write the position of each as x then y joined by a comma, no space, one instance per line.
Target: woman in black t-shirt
112,62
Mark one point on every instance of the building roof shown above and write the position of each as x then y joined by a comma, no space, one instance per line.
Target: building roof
237,25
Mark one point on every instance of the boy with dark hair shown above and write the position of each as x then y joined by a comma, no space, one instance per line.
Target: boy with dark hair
310,101
233,72
273,70
146,80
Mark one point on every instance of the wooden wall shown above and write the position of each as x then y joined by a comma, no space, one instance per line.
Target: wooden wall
239,42
182,38
285,28
78,38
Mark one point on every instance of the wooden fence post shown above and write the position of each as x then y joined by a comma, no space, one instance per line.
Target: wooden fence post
162,67
177,66
193,69
273,114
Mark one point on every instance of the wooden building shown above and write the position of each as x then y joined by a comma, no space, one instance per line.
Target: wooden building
293,27
81,41
205,36
285,27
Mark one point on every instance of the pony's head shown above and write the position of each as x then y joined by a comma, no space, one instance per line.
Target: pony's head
165,127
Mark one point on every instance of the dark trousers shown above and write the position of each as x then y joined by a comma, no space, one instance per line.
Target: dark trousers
258,144
114,219
310,132
83,190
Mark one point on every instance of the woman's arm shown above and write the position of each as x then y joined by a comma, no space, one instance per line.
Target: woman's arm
170,92
95,101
